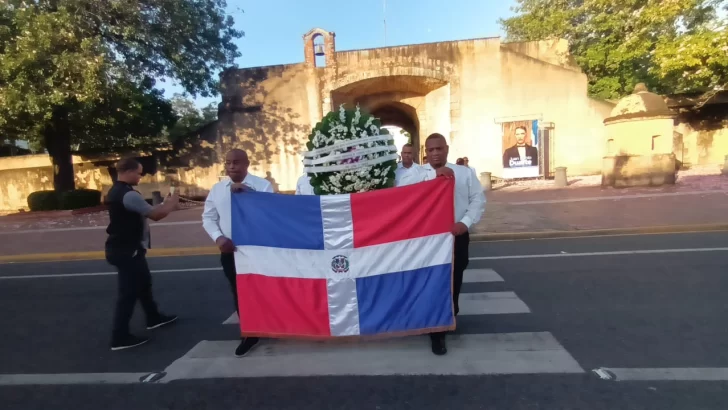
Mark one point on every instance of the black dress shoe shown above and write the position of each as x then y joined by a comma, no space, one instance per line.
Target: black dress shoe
160,321
438,344
246,345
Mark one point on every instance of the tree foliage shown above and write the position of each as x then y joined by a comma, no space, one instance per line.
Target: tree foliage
621,43
82,71
189,117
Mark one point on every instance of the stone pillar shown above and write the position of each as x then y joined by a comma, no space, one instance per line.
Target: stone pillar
308,52
560,177
486,181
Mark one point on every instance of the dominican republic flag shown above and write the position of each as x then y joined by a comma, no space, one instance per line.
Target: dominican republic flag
364,264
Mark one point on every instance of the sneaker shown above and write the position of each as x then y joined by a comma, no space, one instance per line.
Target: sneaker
160,321
246,345
438,345
128,342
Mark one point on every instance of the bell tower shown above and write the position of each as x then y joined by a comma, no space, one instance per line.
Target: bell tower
319,43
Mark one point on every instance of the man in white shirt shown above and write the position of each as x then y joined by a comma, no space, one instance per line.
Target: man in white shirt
216,219
407,172
469,207
467,164
303,186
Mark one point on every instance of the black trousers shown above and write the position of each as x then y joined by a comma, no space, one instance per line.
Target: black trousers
228,267
134,283
460,263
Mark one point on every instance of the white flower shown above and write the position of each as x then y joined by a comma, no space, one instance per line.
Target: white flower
342,113
357,116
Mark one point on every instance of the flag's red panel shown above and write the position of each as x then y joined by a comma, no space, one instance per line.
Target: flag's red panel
408,212
283,306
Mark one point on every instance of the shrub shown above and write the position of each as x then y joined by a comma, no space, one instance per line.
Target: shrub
69,200
43,201
79,198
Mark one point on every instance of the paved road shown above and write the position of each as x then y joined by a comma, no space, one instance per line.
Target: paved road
537,327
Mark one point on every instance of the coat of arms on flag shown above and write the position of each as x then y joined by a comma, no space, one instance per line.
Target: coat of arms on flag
362,264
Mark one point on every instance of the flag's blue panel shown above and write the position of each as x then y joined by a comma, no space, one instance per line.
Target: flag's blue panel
402,301
277,220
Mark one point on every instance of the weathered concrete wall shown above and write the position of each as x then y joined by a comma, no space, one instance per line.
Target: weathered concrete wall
21,176
623,171
554,51
645,136
271,112
703,146
459,89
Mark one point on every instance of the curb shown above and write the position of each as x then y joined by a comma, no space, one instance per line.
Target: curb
647,230
488,237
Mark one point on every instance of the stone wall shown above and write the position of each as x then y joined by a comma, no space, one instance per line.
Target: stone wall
461,89
21,176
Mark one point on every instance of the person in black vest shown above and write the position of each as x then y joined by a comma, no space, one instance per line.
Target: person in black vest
126,249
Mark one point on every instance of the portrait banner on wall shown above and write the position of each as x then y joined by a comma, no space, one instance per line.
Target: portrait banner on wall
520,149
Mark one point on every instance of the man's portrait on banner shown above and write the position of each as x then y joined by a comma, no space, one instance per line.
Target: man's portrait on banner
520,149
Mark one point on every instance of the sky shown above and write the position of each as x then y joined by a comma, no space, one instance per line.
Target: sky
274,28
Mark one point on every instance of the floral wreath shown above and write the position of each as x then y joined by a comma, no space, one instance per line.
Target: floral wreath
349,152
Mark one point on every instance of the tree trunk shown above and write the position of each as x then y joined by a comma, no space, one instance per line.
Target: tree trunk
57,135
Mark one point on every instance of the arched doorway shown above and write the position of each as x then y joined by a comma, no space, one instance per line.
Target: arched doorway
398,100
400,115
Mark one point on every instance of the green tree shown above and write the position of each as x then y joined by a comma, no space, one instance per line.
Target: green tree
75,70
189,117
621,43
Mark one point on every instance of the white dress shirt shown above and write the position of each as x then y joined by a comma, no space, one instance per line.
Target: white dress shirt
469,196
216,218
303,186
408,176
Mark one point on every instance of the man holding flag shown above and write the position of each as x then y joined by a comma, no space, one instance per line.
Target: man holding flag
469,207
216,219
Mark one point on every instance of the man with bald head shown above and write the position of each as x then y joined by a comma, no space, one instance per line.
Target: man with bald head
216,219
469,207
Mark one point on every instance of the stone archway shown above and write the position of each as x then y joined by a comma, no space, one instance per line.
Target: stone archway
400,115
398,100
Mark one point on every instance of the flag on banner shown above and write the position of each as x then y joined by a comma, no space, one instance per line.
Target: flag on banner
363,264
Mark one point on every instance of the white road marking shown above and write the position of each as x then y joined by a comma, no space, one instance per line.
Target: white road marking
74,275
232,320
481,276
676,374
616,197
484,303
70,378
611,253
471,275
491,303
504,353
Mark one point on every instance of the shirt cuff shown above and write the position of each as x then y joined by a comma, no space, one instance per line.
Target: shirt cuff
216,235
467,221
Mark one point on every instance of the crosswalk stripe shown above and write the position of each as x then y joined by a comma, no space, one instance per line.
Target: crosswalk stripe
232,320
491,303
505,353
484,303
481,276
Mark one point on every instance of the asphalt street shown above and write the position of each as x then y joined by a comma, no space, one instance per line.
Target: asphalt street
605,305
